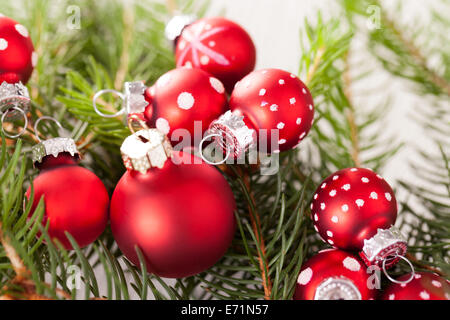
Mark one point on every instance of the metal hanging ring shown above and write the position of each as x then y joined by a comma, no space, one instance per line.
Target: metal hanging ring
394,280
133,118
36,131
200,147
24,126
100,93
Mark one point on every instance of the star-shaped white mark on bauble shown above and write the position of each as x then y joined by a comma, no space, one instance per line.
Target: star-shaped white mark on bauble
194,38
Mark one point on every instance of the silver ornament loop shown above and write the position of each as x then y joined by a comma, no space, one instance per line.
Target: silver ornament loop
36,130
394,280
102,92
200,147
16,109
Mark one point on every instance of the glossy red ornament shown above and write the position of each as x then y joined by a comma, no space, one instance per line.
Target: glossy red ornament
269,100
182,97
17,56
75,200
334,275
180,215
218,46
354,209
424,286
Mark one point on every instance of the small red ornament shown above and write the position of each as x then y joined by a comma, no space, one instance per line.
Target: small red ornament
75,199
218,46
355,209
182,97
17,56
17,60
265,100
178,211
423,286
334,275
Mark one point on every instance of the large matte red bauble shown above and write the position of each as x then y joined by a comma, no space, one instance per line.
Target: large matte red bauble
75,201
17,56
181,216
334,275
182,96
424,286
218,46
350,205
274,99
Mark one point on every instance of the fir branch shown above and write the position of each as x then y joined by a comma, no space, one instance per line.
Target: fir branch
16,262
416,54
404,55
256,225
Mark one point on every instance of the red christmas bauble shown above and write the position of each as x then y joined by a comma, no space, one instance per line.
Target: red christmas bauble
424,286
218,46
17,56
181,216
75,200
334,275
182,99
350,206
274,99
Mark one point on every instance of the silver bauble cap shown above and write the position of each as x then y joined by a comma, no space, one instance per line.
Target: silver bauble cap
14,95
134,99
145,149
234,133
53,147
176,25
386,244
337,288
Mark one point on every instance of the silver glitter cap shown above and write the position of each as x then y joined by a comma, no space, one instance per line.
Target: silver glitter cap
53,147
134,100
14,95
145,149
234,133
337,288
176,25
386,244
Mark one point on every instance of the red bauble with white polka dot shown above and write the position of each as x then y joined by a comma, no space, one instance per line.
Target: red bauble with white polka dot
268,101
334,275
355,209
423,286
185,99
218,46
17,56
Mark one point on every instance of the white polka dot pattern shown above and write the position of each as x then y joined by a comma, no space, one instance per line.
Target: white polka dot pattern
185,100
424,295
22,30
305,276
359,202
217,85
162,125
351,264
3,44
